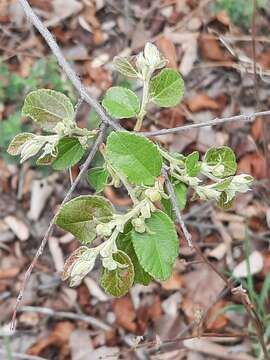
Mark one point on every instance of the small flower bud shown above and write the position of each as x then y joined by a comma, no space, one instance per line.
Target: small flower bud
139,225
146,211
153,194
104,229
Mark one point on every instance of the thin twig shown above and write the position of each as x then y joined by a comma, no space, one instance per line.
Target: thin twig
66,66
173,200
217,121
67,315
253,33
84,167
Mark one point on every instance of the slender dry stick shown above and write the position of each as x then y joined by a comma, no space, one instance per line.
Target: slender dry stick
67,315
253,33
71,74
84,167
217,121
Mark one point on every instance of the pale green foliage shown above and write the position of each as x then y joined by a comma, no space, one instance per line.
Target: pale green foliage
98,178
81,215
54,112
140,244
157,248
124,243
18,141
48,107
167,88
118,282
222,160
135,157
69,152
121,103
124,67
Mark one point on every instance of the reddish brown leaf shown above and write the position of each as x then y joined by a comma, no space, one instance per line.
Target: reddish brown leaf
253,164
167,47
125,313
202,102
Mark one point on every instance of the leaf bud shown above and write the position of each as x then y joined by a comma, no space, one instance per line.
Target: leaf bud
153,194
104,229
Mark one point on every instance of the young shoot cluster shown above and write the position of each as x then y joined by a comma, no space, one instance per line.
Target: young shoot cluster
140,244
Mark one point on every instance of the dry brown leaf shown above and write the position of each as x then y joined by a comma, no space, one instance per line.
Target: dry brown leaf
253,164
254,265
167,48
116,200
9,273
125,313
216,320
203,285
212,50
175,282
57,254
257,129
59,337
18,227
202,102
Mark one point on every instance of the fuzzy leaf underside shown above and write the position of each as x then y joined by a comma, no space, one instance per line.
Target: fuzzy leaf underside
81,215
47,107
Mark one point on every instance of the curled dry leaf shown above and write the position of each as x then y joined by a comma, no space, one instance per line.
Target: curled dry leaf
19,228
202,102
253,164
167,48
255,265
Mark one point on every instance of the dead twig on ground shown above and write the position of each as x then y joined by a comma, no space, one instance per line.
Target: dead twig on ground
67,315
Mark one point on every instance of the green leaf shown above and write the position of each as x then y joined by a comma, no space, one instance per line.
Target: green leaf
192,164
70,151
157,248
123,65
167,88
124,243
223,202
223,156
121,103
135,157
14,147
223,185
81,215
118,282
48,107
180,190
45,160
98,178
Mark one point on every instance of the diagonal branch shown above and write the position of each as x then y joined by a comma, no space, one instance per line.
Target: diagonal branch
217,121
84,167
84,94
251,310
